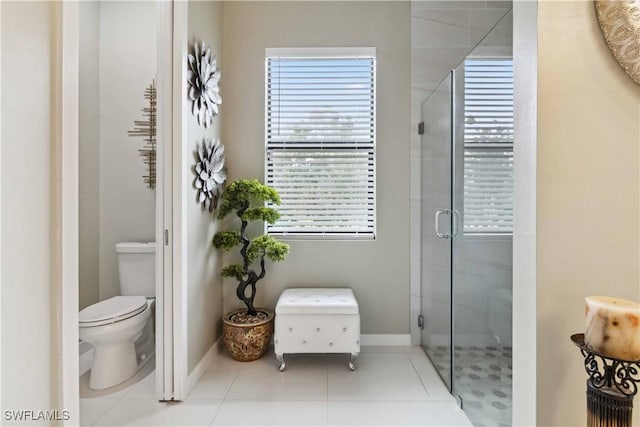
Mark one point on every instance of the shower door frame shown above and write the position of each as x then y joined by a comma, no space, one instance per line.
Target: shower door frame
446,212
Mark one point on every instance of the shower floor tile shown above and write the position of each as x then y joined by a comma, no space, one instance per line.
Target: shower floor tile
483,378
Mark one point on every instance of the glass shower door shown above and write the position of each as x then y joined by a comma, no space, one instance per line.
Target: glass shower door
482,244
436,130
466,228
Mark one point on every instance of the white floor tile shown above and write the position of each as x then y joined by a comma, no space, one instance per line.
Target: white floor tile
262,413
383,349
392,387
216,381
147,412
379,376
429,377
367,413
92,409
110,393
146,387
261,380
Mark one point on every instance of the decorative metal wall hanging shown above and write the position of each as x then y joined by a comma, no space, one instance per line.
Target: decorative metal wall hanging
147,130
211,174
203,77
620,24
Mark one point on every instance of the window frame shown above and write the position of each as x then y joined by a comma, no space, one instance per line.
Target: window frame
328,53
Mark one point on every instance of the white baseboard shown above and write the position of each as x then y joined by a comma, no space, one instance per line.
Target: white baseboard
203,365
86,357
385,339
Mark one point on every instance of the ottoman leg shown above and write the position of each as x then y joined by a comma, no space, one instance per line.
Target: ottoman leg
280,358
352,359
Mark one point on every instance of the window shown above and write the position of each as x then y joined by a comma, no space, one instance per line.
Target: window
320,141
488,146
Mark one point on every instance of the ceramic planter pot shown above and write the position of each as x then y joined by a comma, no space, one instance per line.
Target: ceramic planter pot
247,341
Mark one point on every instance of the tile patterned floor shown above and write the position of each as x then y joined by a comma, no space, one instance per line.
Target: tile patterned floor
393,386
483,377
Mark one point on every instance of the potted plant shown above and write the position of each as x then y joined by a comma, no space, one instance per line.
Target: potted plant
247,332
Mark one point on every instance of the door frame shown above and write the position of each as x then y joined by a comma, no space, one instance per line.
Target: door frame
66,234
165,357
178,61
66,262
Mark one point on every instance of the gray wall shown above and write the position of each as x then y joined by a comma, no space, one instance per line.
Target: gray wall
117,62
115,204
378,271
89,154
204,288
127,56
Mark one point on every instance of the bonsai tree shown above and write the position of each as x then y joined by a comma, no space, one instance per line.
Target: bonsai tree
246,198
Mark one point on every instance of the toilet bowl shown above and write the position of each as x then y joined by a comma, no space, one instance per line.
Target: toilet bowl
121,328
113,326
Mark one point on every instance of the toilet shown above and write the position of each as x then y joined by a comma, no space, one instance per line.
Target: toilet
121,328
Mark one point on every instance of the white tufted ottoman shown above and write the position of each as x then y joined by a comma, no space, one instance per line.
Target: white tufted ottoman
317,320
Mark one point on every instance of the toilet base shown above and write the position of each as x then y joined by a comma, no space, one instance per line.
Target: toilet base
145,351
115,363
105,373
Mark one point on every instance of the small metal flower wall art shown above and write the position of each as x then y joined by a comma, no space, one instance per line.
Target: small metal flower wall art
203,77
211,174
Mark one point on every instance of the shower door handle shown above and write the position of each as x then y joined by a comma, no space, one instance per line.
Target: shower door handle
456,222
437,223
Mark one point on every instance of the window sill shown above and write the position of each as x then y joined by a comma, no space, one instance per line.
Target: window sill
324,237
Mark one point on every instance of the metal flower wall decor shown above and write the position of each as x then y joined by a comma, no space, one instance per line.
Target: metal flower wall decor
203,77
211,174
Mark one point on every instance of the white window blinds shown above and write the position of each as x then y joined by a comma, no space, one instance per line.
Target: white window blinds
320,141
488,146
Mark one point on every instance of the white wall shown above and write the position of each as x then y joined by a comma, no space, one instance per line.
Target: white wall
525,58
378,271
204,288
28,205
127,60
89,154
588,195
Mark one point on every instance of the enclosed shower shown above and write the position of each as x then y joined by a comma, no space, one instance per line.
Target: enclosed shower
466,143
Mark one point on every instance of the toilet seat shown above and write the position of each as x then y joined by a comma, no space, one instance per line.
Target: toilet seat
112,310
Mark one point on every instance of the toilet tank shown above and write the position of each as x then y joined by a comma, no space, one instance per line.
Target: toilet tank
137,268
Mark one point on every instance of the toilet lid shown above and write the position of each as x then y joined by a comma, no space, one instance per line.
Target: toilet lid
111,308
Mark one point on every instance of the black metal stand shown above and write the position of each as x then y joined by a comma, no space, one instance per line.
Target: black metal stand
611,386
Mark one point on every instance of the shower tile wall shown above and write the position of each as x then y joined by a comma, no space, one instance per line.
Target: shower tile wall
482,279
442,34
